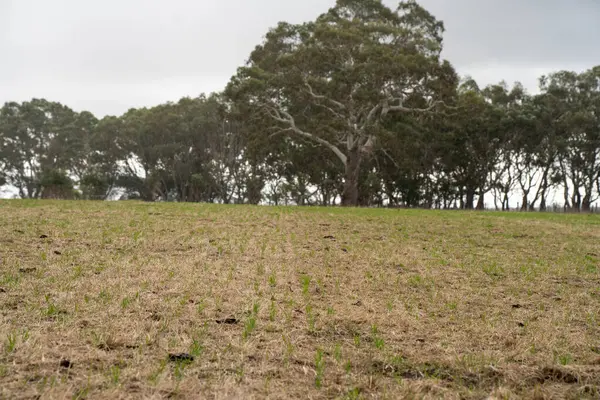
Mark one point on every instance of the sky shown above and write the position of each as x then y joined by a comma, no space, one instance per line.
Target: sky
111,55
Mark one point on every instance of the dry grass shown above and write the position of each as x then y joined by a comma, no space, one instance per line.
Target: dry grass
295,303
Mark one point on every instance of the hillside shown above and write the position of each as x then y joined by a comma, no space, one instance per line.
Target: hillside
156,300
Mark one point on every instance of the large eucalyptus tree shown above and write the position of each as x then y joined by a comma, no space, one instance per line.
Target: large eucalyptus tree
333,80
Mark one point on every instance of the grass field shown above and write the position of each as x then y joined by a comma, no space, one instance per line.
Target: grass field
132,300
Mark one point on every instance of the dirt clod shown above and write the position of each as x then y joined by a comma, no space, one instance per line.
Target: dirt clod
227,321
181,357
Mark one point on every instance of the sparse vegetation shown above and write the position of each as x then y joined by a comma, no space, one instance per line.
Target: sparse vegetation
246,301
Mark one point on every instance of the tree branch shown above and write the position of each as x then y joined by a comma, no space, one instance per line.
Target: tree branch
284,117
390,158
331,110
279,132
371,115
321,97
400,107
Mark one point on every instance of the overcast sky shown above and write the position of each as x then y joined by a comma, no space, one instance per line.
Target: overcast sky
110,55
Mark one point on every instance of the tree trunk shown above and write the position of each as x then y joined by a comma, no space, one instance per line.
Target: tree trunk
525,204
541,192
576,199
566,195
350,193
481,201
586,204
505,202
543,202
497,195
470,198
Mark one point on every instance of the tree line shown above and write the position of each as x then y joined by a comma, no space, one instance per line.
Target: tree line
355,108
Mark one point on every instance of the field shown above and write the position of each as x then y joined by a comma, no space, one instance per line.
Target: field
132,300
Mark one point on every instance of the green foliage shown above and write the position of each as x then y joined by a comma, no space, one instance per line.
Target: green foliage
305,280
56,184
11,342
250,323
493,270
378,341
115,374
95,186
319,368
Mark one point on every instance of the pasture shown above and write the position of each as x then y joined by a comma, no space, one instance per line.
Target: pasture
144,300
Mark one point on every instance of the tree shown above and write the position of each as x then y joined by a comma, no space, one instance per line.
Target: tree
332,81
576,100
34,137
472,146
408,158
56,184
517,139
105,152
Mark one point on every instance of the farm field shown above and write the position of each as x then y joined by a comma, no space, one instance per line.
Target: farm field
145,300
